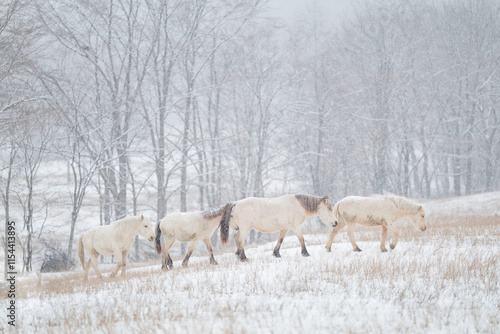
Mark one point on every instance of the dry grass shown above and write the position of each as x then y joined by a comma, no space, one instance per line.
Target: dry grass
444,279
71,282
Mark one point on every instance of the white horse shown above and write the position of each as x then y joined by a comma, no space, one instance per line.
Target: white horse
190,226
382,211
283,213
114,239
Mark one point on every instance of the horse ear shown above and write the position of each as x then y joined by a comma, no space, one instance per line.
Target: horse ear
420,208
142,217
327,201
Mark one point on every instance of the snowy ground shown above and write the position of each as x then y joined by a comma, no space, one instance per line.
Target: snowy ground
444,280
480,205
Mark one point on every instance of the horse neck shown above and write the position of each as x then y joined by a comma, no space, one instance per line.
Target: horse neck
405,207
131,228
212,220
306,202
310,214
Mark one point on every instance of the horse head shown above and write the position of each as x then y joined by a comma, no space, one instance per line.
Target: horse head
146,229
418,219
325,212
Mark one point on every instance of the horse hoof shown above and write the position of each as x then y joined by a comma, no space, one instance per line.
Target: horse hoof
357,250
276,254
305,254
244,259
392,247
383,250
214,263
329,250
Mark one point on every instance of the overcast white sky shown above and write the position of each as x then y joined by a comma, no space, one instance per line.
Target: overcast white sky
289,9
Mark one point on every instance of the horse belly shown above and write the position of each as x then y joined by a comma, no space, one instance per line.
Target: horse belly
371,221
185,237
93,240
368,212
268,225
103,249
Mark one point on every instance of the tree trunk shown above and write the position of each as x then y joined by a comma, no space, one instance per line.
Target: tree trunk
185,151
6,205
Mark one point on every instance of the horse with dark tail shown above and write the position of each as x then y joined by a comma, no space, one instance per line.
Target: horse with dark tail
191,227
224,223
158,239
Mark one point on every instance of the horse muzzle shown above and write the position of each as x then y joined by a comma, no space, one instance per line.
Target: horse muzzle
423,229
333,224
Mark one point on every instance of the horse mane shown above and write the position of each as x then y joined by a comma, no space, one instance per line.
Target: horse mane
126,223
213,213
311,202
403,204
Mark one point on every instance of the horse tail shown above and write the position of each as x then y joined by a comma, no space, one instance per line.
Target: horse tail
224,223
157,239
336,209
81,251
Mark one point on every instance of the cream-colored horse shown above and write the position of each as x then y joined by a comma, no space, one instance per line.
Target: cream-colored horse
283,213
382,211
190,226
114,239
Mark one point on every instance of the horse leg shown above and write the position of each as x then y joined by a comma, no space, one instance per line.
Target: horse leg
210,251
166,260
350,233
119,262
382,240
333,233
238,244
189,252
86,269
124,259
298,233
93,258
276,251
394,242
240,237
169,262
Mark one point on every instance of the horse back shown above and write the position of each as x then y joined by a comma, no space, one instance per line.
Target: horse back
362,208
261,206
268,214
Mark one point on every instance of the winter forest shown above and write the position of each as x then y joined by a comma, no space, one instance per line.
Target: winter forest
123,107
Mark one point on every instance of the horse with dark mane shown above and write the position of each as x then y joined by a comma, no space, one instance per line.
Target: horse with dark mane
190,226
283,213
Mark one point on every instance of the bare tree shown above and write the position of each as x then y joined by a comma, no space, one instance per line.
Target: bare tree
19,102
108,39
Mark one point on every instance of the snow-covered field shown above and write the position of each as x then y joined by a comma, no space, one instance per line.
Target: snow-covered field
443,280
